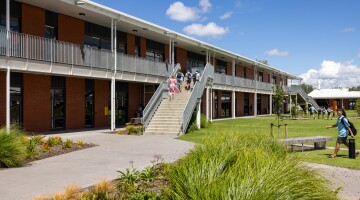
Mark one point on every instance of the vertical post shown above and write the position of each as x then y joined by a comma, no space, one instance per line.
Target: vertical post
271,129
290,103
113,45
211,105
233,67
233,98
173,54
170,51
198,107
207,57
255,104
8,66
286,131
270,104
207,103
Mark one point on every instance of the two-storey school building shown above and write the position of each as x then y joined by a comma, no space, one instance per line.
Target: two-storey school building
73,64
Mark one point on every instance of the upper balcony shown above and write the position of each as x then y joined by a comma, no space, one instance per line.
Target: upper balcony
69,56
241,83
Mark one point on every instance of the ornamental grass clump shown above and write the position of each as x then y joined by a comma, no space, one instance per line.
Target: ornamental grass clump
237,166
12,148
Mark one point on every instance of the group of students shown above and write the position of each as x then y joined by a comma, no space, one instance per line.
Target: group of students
322,111
175,82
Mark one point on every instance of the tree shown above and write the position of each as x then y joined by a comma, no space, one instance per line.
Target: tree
265,62
278,98
357,106
294,108
307,88
357,88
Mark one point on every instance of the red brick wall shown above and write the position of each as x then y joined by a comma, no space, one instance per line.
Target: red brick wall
75,103
2,98
167,55
130,44
101,101
229,68
264,104
36,97
266,76
250,72
181,57
33,20
239,104
346,103
71,29
134,99
143,47
239,71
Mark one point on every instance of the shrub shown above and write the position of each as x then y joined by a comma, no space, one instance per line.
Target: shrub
70,192
204,122
31,148
131,129
38,139
147,195
53,141
12,150
45,147
102,190
192,124
129,177
148,174
68,143
233,166
80,143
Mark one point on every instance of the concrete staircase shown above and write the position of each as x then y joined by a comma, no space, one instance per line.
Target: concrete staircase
168,116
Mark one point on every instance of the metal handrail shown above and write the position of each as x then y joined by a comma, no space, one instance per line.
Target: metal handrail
298,89
195,95
161,93
49,50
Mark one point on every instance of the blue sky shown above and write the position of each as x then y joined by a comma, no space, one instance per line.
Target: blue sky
316,39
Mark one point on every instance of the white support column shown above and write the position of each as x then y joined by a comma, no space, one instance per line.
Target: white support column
113,80
270,105
207,57
290,103
233,98
7,66
233,67
207,103
173,54
198,109
170,51
255,104
211,104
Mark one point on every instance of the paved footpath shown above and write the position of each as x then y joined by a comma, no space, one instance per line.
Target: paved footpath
349,179
87,167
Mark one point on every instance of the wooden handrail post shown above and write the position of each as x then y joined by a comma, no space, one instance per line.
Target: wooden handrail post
286,131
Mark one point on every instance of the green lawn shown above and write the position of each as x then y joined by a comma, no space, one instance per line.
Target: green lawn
296,128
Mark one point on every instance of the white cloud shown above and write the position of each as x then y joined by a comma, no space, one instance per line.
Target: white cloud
276,52
226,15
333,74
347,30
179,12
210,29
205,5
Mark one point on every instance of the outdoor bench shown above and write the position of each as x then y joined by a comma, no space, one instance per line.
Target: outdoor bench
319,141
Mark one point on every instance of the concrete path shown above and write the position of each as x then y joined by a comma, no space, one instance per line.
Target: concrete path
348,179
87,167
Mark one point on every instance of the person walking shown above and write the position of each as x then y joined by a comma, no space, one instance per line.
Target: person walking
179,78
312,111
188,76
343,131
329,112
172,87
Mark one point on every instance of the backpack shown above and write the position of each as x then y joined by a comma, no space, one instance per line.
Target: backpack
352,127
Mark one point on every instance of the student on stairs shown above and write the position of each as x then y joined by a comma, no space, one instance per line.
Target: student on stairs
172,87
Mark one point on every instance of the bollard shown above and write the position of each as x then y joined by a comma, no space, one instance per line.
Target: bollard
352,148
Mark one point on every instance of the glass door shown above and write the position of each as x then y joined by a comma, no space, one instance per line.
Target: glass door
121,108
89,103
57,93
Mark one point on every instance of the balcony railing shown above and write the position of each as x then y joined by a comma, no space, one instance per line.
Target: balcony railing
54,51
223,79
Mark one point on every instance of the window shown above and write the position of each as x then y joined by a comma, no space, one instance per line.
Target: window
89,103
226,104
155,51
16,107
246,104
258,102
221,67
137,46
121,42
273,80
261,76
57,102
195,62
51,24
15,15
96,35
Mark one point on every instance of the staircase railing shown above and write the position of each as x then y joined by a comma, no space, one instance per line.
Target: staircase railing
161,93
302,93
196,94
